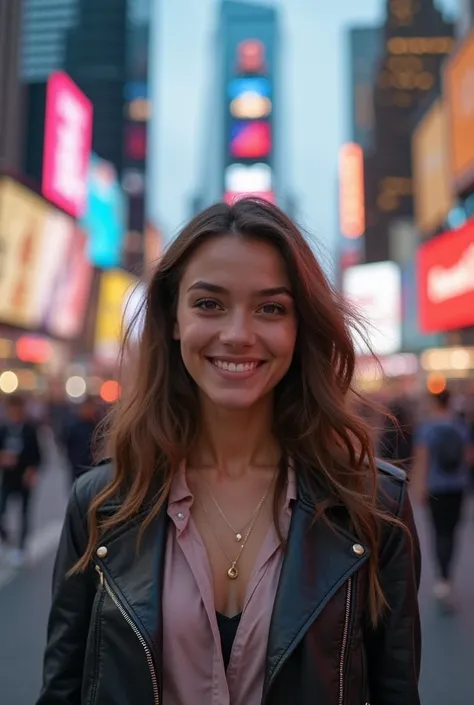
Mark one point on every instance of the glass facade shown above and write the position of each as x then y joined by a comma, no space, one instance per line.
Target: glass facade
45,29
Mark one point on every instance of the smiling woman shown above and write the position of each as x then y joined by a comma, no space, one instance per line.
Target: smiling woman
242,545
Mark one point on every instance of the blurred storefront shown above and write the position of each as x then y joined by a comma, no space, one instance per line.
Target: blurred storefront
45,279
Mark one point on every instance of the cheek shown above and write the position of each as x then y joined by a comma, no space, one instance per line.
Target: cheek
282,341
194,334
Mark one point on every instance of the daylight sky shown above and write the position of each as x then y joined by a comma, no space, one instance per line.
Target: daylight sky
315,84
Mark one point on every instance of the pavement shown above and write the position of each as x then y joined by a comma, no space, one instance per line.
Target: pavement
448,641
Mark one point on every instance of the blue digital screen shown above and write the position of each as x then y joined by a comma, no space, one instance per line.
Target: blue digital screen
257,84
105,217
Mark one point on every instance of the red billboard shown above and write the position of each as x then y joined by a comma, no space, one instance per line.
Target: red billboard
446,281
67,144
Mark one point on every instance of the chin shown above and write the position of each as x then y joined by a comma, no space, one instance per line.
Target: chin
234,401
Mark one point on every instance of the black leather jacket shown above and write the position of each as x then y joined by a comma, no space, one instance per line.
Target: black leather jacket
105,628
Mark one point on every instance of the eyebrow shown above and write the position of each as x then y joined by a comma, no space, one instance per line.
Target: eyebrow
216,289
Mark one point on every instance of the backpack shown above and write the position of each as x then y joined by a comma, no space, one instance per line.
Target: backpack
448,449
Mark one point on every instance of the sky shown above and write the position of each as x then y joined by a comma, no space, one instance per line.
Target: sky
315,82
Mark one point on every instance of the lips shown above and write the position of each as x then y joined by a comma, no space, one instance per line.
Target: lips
234,366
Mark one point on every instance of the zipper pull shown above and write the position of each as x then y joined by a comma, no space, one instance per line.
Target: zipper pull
101,575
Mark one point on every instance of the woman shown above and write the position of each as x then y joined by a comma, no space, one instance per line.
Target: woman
241,547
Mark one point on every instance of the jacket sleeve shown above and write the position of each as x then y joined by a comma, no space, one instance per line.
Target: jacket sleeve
69,617
394,647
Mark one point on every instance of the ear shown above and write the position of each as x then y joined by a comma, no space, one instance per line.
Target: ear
176,333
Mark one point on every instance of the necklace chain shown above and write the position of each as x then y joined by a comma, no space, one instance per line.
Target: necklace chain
238,534
233,571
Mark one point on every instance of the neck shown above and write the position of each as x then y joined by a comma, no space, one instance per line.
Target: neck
233,441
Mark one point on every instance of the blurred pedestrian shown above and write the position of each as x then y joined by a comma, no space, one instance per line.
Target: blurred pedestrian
441,478
396,440
79,437
20,459
243,545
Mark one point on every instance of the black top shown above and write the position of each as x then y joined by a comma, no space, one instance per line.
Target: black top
227,629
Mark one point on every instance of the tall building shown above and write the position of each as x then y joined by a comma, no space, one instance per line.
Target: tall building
10,94
416,40
45,27
365,47
245,138
88,40
137,116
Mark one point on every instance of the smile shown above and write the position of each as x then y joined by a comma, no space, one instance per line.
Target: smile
236,367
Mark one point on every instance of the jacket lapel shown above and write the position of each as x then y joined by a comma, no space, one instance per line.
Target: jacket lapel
318,561
138,581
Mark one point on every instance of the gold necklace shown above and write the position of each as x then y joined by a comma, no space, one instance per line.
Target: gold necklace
238,534
233,571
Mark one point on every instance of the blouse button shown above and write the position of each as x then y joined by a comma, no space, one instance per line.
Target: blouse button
102,552
180,516
358,549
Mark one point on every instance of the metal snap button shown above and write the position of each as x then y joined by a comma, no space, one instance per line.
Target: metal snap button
358,549
102,551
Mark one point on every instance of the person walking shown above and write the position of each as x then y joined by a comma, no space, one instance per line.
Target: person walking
79,439
20,459
441,479
241,545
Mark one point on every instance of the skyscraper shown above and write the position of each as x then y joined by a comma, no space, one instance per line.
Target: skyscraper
10,117
365,48
246,135
416,42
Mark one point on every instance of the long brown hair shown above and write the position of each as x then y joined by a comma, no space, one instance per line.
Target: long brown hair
155,423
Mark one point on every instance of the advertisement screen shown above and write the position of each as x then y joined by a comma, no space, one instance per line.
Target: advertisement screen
245,178
431,170
258,85
23,216
67,144
446,281
374,290
105,217
65,318
351,191
250,140
59,232
459,92
116,287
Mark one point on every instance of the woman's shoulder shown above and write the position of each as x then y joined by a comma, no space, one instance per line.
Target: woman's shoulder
392,486
91,483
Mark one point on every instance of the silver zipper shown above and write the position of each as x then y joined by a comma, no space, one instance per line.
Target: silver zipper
345,636
136,631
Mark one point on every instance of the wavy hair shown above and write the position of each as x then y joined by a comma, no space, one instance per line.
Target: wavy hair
155,423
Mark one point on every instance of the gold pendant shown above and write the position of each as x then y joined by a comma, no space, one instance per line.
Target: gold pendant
233,572
238,538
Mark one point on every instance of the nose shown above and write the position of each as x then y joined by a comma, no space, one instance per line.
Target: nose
238,330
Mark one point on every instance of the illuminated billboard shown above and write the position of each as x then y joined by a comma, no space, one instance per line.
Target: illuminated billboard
116,288
445,274
105,218
374,291
250,140
351,191
67,144
431,170
459,92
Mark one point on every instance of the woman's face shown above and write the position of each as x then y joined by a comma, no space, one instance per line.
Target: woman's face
236,320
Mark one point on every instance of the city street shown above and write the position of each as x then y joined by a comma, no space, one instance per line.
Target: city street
447,676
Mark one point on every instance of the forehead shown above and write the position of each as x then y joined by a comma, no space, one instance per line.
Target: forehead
231,260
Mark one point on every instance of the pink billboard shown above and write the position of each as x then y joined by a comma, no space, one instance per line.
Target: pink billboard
67,144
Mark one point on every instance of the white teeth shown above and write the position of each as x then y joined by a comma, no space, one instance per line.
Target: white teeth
233,367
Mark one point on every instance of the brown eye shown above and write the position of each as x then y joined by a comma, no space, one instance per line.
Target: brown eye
272,309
